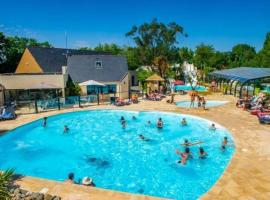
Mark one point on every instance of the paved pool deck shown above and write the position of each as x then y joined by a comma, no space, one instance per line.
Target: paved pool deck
247,176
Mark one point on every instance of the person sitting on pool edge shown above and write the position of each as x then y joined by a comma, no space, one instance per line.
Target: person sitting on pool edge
202,153
184,122
224,144
213,127
66,129
160,123
44,124
70,178
88,182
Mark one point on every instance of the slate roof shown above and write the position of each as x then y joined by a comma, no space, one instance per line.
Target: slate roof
52,59
83,68
242,74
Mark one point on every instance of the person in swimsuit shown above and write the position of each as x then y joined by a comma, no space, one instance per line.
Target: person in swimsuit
70,178
224,144
184,122
44,124
66,129
124,124
160,123
202,153
143,138
213,127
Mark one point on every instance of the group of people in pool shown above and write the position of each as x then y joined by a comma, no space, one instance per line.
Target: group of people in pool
201,101
186,154
123,122
44,124
87,181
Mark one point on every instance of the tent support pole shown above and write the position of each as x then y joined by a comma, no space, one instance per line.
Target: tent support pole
235,88
231,85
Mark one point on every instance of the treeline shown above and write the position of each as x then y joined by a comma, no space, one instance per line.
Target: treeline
12,48
156,46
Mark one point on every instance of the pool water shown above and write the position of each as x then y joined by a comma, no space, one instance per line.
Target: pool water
210,103
116,158
188,88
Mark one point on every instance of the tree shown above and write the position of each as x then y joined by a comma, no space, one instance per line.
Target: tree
2,48
142,75
242,55
185,55
203,55
13,50
161,65
5,182
111,48
265,52
132,56
155,39
220,60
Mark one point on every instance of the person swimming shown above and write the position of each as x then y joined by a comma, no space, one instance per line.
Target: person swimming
44,124
124,124
188,152
143,138
202,153
159,123
183,157
134,118
224,143
149,122
122,119
213,127
184,122
66,129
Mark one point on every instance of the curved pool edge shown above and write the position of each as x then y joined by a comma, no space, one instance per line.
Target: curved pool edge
134,111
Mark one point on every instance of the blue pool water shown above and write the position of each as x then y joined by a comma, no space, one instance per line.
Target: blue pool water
210,103
117,159
188,88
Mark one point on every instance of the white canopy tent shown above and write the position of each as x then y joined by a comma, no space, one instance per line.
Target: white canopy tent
91,82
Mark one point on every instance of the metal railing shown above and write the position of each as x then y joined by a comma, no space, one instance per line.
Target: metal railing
59,103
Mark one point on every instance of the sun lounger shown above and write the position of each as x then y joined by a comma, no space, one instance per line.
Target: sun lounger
7,113
264,119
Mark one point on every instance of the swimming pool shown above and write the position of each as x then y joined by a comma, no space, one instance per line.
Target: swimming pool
188,88
210,103
116,158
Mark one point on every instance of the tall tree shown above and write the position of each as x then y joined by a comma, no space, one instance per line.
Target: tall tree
161,65
155,39
13,50
2,48
242,55
220,60
265,52
203,55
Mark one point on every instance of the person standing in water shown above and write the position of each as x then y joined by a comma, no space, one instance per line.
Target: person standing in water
44,124
66,129
160,123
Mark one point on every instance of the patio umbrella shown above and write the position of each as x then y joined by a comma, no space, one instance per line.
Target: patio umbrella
91,82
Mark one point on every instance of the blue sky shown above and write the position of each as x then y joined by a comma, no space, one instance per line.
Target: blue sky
222,23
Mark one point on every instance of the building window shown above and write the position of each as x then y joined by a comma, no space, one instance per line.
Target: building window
108,89
98,64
